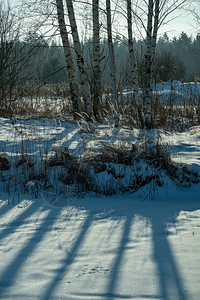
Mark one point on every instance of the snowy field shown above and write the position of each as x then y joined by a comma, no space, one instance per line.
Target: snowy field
174,93
121,247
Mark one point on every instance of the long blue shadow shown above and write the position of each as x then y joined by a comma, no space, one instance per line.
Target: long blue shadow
112,286
169,276
170,279
116,296
8,276
19,221
68,260
4,209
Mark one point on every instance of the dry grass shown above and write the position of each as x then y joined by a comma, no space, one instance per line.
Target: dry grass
4,162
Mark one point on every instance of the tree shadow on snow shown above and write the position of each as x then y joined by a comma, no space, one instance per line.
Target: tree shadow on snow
155,215
169,278
18,221
171,283
9,274
5,207
69,259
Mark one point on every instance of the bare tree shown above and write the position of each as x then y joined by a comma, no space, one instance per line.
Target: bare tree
133,64
154,40
80,62
97,92
157,14
11,60
112,62
148,87
69,60
194,8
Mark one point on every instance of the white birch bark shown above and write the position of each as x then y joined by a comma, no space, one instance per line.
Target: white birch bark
148,89
154,40
112,63
80,62
69,60
133,65
97,93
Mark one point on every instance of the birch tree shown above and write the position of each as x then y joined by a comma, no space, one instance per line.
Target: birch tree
80,62
162,10
112,62
148,55
69,60
154,40
158,12
97,92
133,65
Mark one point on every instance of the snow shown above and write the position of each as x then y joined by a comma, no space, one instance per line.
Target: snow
174,92
179,92
129,246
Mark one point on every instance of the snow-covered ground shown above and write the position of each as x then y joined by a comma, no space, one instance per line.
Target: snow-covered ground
121,247
173,93
178,92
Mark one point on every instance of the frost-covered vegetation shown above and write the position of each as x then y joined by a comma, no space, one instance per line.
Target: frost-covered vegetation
99,153
134,88
68,159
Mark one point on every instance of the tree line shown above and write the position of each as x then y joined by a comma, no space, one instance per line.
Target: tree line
102,60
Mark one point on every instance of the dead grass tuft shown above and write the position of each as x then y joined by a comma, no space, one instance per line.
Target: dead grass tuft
4,162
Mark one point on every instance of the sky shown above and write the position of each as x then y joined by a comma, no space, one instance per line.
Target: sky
184,22
179,21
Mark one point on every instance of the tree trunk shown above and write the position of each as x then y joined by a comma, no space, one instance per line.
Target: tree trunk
97,93
112,63
154,40
148,89
69,60
133,66
80,62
